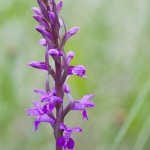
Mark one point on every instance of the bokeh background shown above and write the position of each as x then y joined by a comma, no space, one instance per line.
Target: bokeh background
113,44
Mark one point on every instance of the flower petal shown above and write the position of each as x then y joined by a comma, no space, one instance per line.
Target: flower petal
60,22
46,118
36,10
33,112
54,52
36,124
61,142
71,32
51,107
89,104
45,98
56,99
70,56
51,17
86,98
44,109
84,114
38,107
63,126
38,65
42,42
43,31
77,129
59,5
77,70
38,18
66,88
40,92
70,143
77,106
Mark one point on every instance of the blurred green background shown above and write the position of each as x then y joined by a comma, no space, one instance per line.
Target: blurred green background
114,46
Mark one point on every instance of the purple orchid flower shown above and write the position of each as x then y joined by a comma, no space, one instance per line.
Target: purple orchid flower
83,104
77,70
50,99
41,115
66,141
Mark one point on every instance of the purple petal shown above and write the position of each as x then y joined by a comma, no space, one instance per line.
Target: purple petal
77,129
36,10
38,65
43,9
77,106
51,17
84,114
45,24
43,31
60,22
54,52
70,143
89,104
42,42
44,109
61,142
70,56
33,112
45,98
87,98
53,92
40,92
38,106
63,126
45,118
71,32
77,70
51,107
36,124
56,99
59,5
66,88
38,18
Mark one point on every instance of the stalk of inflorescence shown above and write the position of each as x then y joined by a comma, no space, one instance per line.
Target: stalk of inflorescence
50,109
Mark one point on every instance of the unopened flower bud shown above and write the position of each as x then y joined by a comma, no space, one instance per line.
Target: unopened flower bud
38,65
36,10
